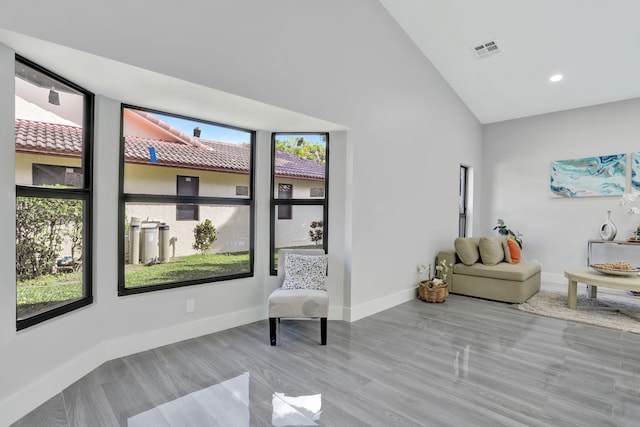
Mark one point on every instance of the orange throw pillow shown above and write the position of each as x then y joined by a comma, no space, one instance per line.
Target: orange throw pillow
514,250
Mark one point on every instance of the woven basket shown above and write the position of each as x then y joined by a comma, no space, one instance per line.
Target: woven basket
430,292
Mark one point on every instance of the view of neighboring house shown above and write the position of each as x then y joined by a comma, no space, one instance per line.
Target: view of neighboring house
162,160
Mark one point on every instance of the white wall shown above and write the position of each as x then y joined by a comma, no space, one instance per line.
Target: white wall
517,157
393,178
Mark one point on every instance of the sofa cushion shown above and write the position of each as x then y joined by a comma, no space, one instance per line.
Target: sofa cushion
503,270
514,251
507,254
467,249
491,251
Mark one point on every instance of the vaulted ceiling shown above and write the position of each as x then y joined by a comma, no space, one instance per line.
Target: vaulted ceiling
594,44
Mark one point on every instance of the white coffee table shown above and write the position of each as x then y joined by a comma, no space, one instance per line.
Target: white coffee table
591,277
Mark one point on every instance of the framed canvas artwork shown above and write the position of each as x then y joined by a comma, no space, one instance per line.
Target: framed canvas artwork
589,176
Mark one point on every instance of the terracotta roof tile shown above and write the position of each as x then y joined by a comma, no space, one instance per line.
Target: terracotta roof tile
49,137
198,154
294,166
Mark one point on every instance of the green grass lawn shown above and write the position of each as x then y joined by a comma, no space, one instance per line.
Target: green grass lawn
48,291
189,267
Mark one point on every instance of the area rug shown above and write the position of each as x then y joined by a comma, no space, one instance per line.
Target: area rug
554,304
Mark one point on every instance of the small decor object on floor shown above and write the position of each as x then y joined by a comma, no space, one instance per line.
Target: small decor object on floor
608,229
433,290
436,289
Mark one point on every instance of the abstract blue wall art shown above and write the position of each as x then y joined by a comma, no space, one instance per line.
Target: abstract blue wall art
589,176
635,171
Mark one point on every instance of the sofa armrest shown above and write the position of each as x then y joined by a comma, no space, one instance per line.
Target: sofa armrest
450,256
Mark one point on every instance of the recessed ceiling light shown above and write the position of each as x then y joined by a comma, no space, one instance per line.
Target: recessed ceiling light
555,78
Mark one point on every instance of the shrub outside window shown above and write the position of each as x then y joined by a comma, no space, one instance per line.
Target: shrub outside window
53,149
299,192
182,220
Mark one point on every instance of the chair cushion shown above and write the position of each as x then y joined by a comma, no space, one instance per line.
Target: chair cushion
298,303
305,272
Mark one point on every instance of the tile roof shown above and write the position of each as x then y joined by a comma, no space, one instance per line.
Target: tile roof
58,139
294,166
48,138
218,156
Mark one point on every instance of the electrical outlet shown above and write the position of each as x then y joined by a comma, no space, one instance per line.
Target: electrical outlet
191,305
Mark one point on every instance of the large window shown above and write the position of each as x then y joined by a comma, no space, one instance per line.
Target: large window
183,219
299,192
53,146
463,201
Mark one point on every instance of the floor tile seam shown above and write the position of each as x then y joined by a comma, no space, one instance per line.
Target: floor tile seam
360,404
571,404
532,412
486,384
493,355
606,371
559,393
465,400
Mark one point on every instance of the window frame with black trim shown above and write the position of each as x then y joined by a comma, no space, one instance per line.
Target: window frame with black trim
68,101
157,198
283,209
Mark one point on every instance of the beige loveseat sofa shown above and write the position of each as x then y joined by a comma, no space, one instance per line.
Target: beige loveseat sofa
490,276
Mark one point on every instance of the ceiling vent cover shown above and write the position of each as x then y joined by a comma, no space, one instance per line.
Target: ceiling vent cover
486,49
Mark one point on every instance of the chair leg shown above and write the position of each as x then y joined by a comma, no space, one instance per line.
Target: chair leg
323,330
272,330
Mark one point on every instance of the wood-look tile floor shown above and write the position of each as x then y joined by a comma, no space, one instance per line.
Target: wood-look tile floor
467,362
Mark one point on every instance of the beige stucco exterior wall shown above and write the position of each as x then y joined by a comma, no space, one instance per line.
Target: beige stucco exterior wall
25,161
156,179
231,222
295,231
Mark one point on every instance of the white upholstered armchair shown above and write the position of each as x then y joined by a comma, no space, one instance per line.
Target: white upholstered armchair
302,292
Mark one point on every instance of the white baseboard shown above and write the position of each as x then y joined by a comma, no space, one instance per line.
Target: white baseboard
555,278
130,344
336,312
372,307
24,401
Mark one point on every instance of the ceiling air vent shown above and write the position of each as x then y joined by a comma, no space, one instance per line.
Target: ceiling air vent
486,49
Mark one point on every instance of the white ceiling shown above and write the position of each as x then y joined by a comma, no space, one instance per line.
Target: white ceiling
595,44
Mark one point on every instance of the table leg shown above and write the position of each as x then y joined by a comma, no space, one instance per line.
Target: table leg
592,291
572,294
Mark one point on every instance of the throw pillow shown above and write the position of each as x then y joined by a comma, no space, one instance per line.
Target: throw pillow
467,249
514,251
507,252
305,272
491,251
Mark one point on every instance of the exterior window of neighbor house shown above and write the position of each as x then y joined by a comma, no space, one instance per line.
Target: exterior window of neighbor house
187,209
187,186
299,192
53,149
285,191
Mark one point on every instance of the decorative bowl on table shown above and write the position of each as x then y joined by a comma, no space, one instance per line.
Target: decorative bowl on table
620,268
